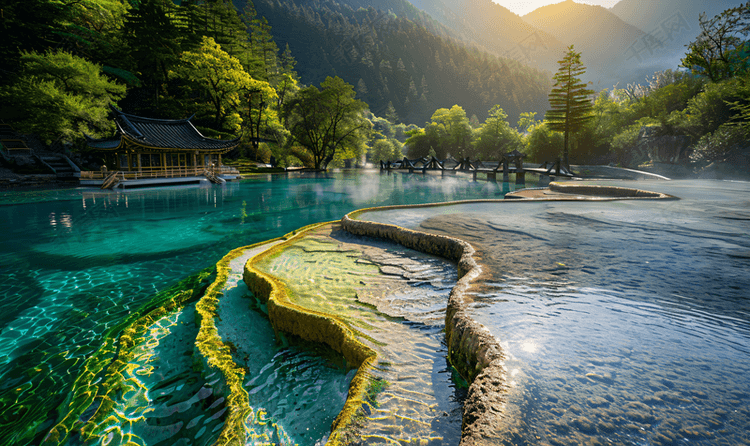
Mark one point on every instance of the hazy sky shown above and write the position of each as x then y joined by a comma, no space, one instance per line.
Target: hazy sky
522,7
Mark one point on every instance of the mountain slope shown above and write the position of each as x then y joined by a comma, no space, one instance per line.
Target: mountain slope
603,39
495,29
394,59
671,24
651,16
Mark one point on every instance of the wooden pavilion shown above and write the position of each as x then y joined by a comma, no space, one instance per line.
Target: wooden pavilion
158,148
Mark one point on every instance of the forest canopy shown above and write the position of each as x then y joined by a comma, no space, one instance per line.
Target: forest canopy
223,61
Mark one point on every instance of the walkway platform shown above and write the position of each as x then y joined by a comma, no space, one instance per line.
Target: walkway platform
155,178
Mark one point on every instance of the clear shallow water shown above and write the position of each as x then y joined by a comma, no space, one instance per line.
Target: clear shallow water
75,263
300,388
394,300
624,322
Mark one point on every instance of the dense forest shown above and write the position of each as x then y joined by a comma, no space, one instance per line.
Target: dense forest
275,71
396,54
68,60
692,118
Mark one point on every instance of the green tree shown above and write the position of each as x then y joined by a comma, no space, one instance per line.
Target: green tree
419,144
60,95
569,99
30,25
451,131
526,120
390,113
83,27
386,150
326,121
720,103
261,50
287,62
496,137
542,143
222,23
154,39
262,119
212,75
721,49
286,86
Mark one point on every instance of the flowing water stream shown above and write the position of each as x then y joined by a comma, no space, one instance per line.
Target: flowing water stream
624,322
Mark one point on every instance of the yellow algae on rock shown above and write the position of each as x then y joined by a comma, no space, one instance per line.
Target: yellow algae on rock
325,285
90,392
473,351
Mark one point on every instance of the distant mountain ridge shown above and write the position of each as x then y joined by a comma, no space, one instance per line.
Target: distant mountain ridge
426,54
394,53
603,39
669,25
496,29
620,45
651,16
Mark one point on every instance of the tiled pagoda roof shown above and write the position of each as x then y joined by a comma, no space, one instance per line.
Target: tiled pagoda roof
159,134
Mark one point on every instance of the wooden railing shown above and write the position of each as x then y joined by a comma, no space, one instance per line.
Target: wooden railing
160,172
15,146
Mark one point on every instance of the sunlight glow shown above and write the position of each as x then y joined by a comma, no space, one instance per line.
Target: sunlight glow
523,7
529,346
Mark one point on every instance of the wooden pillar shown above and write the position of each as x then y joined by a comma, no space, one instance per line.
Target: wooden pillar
474,175
138,157
520,178
506,178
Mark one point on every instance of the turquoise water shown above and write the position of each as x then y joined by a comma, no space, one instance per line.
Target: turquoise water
77,263
395,301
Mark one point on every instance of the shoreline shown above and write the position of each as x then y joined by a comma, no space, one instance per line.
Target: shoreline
14,182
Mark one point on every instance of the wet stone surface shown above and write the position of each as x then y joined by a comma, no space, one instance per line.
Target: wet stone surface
295,389
395,300
624,322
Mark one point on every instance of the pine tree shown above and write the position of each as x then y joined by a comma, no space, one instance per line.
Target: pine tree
569,99
287,62
390,113
153,40
362,89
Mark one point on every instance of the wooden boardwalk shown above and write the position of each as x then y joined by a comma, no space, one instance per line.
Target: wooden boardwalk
511,163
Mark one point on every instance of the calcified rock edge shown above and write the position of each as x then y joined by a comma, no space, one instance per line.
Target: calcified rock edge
473,351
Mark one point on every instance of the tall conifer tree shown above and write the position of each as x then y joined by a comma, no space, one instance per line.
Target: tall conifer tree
153,39
570,99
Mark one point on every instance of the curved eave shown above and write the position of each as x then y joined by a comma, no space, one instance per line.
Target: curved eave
103,144
230,144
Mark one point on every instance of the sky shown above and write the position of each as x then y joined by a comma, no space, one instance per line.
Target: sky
522,7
